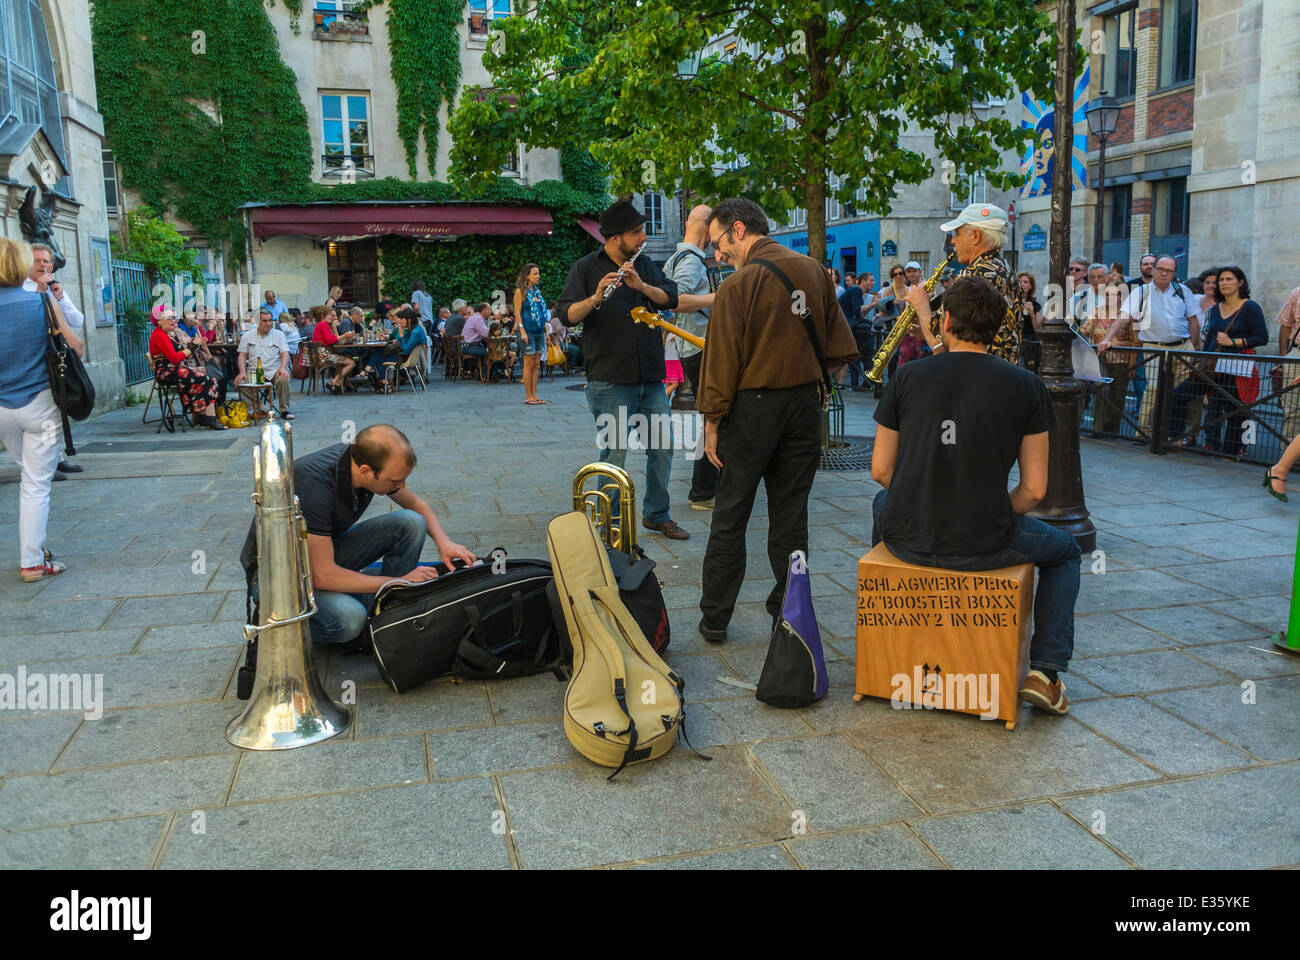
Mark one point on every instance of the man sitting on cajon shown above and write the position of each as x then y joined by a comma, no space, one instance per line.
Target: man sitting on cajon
948,430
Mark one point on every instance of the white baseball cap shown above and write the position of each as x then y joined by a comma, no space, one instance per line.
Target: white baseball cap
912,265
976,214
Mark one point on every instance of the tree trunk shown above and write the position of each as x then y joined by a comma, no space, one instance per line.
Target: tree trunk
1063,133
815,170
815,198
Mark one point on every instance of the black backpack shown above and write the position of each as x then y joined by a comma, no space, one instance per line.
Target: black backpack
473,622
640,592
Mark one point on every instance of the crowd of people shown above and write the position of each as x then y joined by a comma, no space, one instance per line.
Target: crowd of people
1212,312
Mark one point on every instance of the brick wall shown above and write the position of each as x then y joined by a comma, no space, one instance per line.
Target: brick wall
1123,131
1171,114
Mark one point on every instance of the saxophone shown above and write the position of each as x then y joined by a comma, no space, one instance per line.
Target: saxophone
905,320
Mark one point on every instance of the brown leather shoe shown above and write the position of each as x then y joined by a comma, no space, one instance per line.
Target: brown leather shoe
668,529
1038,691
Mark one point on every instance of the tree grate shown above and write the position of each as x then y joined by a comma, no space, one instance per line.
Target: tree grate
853,453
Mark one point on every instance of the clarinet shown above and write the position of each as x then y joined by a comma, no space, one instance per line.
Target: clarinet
621,271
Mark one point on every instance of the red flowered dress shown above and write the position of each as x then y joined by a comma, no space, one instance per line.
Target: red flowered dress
196,389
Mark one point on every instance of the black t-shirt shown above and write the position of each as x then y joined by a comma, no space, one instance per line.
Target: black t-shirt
322,481
617,349
960,419
1031,307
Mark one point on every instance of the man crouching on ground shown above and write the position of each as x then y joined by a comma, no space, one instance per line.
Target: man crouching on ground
948,430
334,487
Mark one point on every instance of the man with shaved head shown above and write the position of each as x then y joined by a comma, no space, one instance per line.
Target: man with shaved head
334,487
686,267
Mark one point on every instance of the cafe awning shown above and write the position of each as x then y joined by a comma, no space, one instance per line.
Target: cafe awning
423,221
592,227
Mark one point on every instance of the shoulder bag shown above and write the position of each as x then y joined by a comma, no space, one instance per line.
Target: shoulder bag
73,392
824,389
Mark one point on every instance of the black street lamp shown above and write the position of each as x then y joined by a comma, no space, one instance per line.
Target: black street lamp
1103,117
689,68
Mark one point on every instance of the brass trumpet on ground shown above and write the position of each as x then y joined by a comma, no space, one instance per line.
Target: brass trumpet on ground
288,706
905,319
598,503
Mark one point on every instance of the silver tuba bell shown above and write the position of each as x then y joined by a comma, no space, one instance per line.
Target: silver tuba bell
288,706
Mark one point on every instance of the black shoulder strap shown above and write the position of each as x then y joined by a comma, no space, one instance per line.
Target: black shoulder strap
806,317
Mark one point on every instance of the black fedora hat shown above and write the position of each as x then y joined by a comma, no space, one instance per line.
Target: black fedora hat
619,217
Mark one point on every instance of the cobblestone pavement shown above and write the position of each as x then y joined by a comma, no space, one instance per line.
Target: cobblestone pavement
1159,764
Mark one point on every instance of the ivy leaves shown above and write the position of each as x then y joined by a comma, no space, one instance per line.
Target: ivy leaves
199,134
424,48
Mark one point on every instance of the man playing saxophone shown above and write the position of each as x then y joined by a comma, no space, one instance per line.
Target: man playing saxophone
981,230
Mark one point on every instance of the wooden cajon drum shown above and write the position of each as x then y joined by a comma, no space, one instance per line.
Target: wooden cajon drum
943,639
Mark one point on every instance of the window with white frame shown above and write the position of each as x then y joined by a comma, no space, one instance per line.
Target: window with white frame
345,134
110,180
832,204
968,189
654,213
482,13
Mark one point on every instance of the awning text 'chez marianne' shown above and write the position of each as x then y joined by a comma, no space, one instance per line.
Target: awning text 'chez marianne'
421,221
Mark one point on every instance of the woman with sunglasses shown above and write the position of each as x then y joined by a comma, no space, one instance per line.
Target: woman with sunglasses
1234,325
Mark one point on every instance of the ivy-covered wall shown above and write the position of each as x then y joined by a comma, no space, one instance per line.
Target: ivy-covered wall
160,66
474,268
157,65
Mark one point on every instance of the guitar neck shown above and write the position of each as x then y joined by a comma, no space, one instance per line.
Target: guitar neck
655,320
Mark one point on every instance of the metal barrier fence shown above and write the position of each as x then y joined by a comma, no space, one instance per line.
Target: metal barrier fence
132,300
1229,405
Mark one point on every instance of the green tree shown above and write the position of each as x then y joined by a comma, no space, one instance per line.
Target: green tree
155,243
814,87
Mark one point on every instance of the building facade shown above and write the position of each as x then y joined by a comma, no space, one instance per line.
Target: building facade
51,150
1205,162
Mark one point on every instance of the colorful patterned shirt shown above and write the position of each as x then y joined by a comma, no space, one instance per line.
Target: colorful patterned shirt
991,266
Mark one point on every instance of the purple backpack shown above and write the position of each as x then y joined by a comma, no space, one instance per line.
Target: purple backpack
795,672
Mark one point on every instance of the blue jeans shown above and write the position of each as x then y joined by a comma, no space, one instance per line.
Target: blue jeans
1054,552
397,539
606,400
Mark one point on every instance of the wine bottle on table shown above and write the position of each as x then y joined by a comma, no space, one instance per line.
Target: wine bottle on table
261,376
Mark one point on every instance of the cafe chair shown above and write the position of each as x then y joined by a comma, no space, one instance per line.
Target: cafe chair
316,368
452,358
412,367
167,398
498,351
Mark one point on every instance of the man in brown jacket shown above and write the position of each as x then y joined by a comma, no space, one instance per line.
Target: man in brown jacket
759,397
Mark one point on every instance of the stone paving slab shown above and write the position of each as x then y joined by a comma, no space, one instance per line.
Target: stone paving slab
32,742
28,648
833,784
115,792
572,816
107,845
993,840
151,733
1159,738
950,762
330,767
438,826
1143,672
767,857
1269,728
1237,821
883,848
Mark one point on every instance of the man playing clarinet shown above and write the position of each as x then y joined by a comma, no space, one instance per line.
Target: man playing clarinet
624,359
981,230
